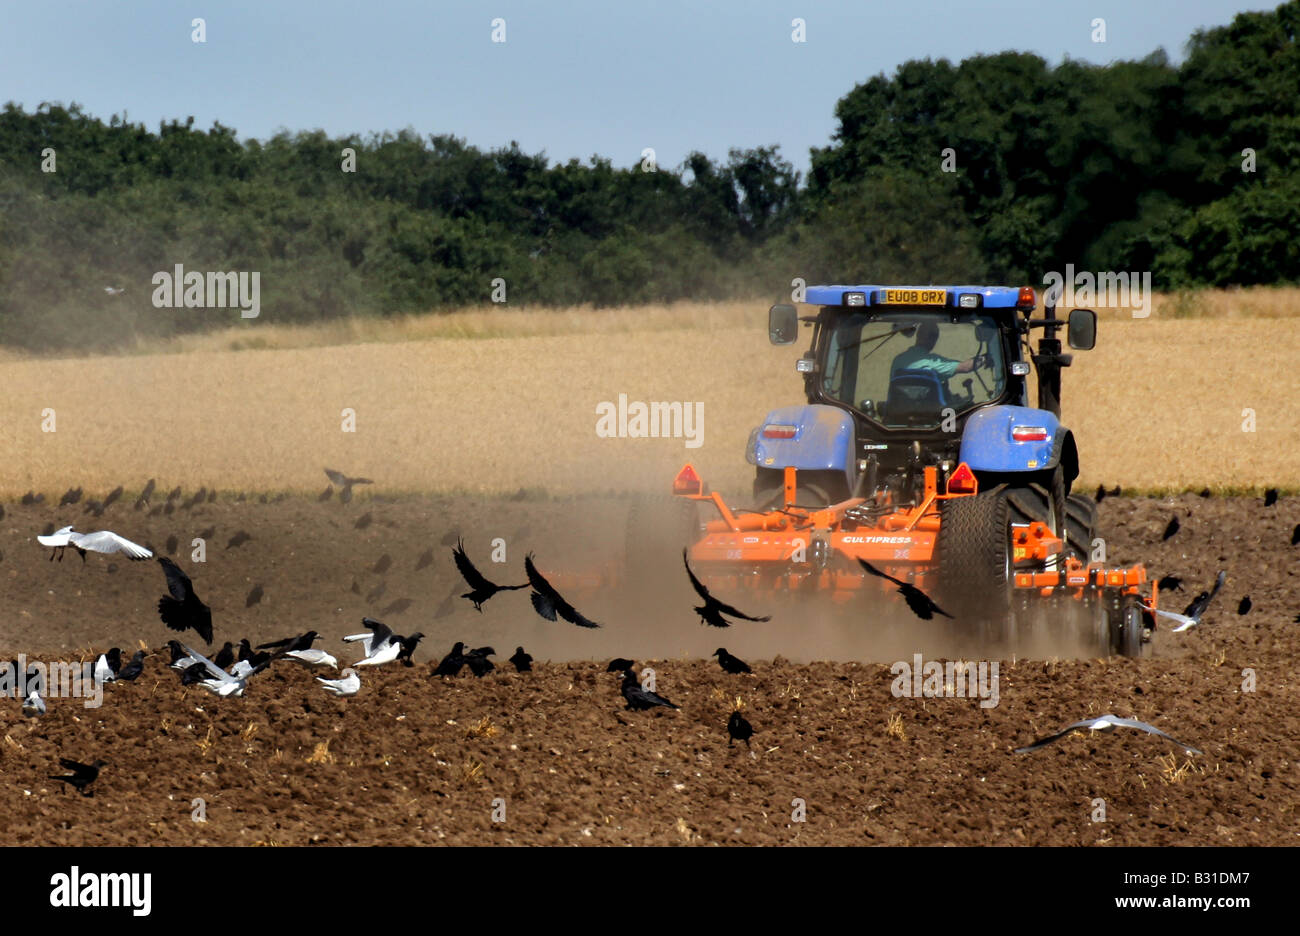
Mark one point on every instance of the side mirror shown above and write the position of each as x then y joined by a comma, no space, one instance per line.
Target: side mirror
782,324
1082,330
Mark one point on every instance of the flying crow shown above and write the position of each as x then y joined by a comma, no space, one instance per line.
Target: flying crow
712,610
1191,615
182,609
408,647
1105,723
547,601
480,588
916,599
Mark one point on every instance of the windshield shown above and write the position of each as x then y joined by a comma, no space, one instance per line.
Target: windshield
905,367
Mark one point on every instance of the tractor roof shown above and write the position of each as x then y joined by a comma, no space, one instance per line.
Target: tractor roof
989,297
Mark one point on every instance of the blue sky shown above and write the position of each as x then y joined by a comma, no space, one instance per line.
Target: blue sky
573,79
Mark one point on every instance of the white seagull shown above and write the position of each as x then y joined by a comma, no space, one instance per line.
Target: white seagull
349,685
34,705
222,683
1191,615
379,646
1106,723
104,541
312,657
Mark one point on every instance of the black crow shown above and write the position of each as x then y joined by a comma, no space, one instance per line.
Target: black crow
1101,494
730,663
547,601
1206,492
194,673
113,497
254,596
478,662
246,654
1245,606
225,656
408,647
297,642
70,496
82,776
451,664
712,610
639,699
173,543
1295,535
177,652
175,493
522,661
131,670
1172,528
326,494
916,599
345,483
107,665
182,609
1270,497
619,664
1170,583
480,588
739,729
1191,615
146,494
31,498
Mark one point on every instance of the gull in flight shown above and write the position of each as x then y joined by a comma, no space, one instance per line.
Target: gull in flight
311,657
104,541
380,646
219,681
1105,723
1191,615
349,685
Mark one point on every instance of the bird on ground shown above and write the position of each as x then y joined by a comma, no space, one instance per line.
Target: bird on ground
147,493
311,657
1173,527
348,685
620,664
1170,583
254,596
451,664
70,496
103,541
225,656
547,601
182,610
33,705
247,655
193,672
639,699
1105,723
113,497
82,776
1245,605
1295,535
1192,614
298,642
1270,497
408,647
731,663
712,610
107,665
480,588
345,483
478,662
31,497
131,670
522,661
221,683
179,660
739,729
920,603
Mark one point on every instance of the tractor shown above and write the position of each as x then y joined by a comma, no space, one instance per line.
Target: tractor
919,452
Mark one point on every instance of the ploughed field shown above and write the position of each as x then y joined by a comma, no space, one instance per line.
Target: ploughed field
419,759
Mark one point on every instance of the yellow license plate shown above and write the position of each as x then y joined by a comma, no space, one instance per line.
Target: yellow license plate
915,297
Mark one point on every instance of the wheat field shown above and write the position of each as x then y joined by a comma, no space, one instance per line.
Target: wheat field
491,402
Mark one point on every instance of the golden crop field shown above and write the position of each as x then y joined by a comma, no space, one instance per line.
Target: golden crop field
492,401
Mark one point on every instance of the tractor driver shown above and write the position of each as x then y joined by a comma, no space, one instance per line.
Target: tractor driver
921,356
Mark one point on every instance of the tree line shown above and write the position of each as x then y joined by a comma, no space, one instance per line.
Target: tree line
998,169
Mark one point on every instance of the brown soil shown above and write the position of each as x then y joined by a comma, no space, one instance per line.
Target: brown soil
414,759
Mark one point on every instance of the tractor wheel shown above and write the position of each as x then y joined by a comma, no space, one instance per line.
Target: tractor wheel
974,552
812,488
1080,525
1127,628
657,530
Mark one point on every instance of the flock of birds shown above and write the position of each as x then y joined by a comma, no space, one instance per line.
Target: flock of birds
228,672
